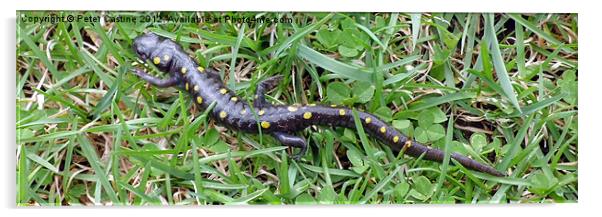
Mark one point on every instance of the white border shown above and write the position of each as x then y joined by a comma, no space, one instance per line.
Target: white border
525,6
589,100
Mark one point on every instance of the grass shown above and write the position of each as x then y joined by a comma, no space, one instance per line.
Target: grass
500,88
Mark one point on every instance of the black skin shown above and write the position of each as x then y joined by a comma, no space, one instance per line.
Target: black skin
280,121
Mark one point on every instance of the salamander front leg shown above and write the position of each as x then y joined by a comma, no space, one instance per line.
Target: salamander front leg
263,87
172,81
292,141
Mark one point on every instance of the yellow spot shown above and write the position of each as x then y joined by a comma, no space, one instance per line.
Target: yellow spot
244,111
183,70
256,96
396,139
223,91
166,58
261,112
234,99
200,69
313,104
156,60
408,143
383,129
342,112
307,115
186,86
292,108
196,87
223,114
368,120
265,124
199,99
333,105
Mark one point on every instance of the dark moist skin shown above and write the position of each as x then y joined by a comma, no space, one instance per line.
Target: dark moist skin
281,121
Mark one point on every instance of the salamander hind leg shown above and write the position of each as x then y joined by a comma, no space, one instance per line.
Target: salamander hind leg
263,87
292,141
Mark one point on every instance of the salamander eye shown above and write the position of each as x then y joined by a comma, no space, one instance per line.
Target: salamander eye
141,54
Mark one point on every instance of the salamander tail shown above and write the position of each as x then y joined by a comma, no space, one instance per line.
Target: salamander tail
416,149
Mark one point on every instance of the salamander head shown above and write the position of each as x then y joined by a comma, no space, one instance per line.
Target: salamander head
145,44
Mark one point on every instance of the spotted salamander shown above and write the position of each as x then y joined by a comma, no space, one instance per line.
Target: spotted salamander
281,121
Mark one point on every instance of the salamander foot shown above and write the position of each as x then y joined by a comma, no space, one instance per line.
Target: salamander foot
172,81
292,141
263,87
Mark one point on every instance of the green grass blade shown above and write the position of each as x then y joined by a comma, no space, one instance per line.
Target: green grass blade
434,101
140,193
23,184
100,174
235,48
404,61
446,149
38,53
527,110
245,199
339,68
245,154
416,20
337,172
42,162
498,63
372,35
515,145
520,49
378,187
517,18
300,34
